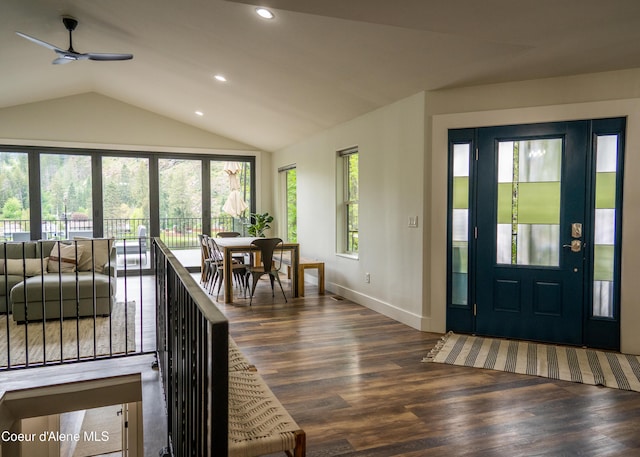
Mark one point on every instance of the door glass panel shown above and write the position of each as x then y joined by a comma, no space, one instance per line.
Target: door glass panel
460,225
125,193
604,225
528,216
230,196
180,202
66,196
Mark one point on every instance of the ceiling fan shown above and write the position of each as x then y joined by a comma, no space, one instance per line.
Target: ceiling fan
69,55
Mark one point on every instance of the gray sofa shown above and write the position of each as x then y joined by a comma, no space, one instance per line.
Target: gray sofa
32,279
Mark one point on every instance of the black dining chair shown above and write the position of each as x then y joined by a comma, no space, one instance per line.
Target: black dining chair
271,258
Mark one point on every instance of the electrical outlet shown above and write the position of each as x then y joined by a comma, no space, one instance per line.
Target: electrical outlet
367,278
413,221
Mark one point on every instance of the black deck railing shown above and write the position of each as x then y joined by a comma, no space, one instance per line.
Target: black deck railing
175,233
192,344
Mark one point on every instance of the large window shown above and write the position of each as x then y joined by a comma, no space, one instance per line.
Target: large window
60,193
289,186
348,201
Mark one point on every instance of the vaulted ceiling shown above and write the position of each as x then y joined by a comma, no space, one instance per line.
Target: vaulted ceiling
318,63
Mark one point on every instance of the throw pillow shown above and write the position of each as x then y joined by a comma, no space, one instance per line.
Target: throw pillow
95,253
32,267
64,258
85,262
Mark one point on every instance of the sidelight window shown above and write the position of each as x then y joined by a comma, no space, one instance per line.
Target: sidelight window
459,260
605,225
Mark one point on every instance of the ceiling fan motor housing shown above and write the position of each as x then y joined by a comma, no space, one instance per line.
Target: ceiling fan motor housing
70,23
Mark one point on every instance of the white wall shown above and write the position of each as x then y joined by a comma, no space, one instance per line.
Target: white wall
391,161
92,118
94,121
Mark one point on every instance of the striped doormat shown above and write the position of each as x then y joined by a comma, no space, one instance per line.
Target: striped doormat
587,366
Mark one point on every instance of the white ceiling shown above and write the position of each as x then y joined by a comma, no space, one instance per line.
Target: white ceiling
317,64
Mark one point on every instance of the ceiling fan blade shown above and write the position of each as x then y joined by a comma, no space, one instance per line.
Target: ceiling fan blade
40,42
108,56
62,60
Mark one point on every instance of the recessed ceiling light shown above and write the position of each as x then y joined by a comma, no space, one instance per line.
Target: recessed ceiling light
264,13
220,78
199,113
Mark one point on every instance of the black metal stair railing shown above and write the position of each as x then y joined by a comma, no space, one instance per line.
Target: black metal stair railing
192,345
51,317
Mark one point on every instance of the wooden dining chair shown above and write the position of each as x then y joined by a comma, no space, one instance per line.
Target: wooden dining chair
217,262
209,268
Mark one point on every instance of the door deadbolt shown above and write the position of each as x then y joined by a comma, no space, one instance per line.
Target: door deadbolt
576,245
576,230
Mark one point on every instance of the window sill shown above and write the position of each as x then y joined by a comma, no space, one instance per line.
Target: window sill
348,256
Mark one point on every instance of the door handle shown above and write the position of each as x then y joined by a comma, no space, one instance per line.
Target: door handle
576,245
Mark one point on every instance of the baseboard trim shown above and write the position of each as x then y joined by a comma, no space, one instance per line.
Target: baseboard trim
408,318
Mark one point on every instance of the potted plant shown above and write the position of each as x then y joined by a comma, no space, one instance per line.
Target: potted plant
260,224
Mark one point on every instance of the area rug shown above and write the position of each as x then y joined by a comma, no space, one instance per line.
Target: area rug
587,366
81,338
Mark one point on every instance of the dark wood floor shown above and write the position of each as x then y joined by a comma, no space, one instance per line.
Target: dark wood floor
354,381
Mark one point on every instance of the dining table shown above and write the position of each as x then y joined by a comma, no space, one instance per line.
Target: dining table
242,244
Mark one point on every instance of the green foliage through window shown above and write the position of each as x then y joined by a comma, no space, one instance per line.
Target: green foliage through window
292,205
351,200
66,194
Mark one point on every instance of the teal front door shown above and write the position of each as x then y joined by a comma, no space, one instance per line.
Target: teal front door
544,232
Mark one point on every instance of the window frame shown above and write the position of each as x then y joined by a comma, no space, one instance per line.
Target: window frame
34,154
286,229
347,243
